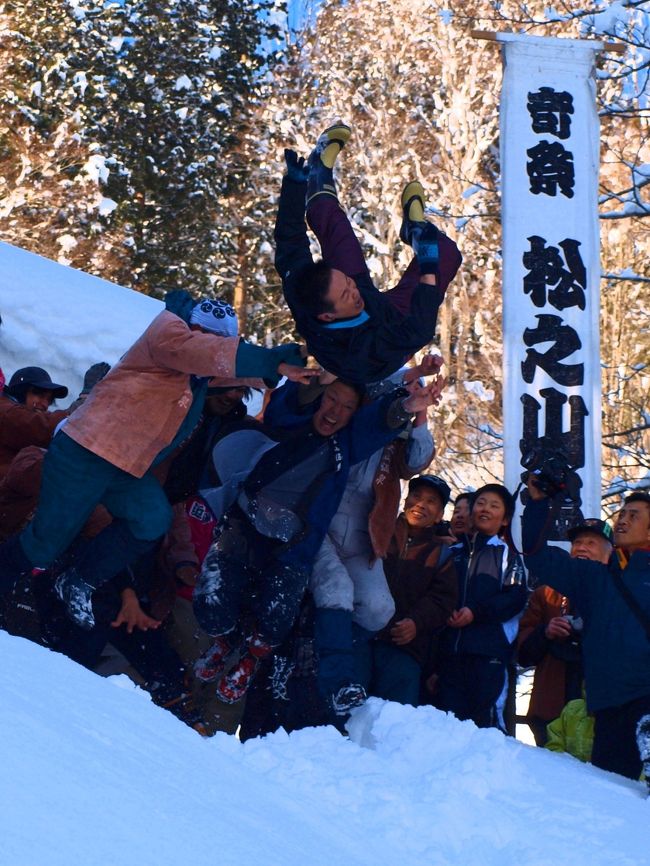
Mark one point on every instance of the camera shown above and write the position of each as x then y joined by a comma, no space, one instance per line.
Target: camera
575,622
550,465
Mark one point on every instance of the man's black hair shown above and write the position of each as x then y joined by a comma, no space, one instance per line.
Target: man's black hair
358,388
502,492
312,283
468,495
639,496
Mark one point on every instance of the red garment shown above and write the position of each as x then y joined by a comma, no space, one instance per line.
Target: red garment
190,536
21,427
548,696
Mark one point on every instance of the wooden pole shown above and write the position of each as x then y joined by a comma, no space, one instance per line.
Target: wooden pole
493,36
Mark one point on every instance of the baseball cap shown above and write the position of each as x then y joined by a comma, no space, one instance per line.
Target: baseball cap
439,485
593,525
35,377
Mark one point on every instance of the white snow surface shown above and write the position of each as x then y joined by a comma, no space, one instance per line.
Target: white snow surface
64,320
93,773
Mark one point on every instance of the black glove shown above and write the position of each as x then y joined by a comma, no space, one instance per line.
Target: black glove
94,375
297,168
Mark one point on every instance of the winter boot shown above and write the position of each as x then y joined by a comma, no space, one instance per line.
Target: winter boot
215,659
233,686
643,742
348,698
322,159
417,232
412,211
76,595
13,563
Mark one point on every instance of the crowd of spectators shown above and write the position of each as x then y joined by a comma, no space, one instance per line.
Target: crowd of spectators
253,572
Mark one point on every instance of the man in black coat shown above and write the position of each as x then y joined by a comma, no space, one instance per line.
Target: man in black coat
351,328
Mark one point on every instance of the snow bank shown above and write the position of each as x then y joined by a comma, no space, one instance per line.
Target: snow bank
64,320
94,773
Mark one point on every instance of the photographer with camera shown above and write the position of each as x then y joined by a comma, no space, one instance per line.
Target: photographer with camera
550,635
614,601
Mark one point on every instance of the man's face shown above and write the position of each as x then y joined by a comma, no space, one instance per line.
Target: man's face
343,297
632,527
338,404
489,513
423,507
588,545
221,404
39,399
461,520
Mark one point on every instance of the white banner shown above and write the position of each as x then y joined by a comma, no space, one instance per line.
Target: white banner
551,269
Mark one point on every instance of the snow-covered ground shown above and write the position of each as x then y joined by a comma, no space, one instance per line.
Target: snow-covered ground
92,773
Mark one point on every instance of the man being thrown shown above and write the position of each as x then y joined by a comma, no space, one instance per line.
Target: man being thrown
352,329
263,555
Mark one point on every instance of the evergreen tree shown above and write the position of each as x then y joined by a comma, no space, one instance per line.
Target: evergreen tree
154,93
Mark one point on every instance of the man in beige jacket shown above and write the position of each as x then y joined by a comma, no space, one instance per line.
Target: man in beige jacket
146,406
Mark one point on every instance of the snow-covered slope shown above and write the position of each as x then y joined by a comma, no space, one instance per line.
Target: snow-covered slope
94,774
62,319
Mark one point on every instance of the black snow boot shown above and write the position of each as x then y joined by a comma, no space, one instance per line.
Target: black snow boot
76,595
13,563
643,742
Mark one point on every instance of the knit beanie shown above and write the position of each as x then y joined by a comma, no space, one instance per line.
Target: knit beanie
215,316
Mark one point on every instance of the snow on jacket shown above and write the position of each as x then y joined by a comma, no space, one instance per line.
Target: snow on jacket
21,427
549,694
137,409
616,649
422,578
491,583
367,432
371,500
379,345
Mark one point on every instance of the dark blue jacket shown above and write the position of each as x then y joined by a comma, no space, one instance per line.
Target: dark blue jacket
491,583
379,345
615,648
366,433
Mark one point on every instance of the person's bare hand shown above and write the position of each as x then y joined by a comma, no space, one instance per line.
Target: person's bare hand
422,396
403,632
131,614
461,618
326,378
557,629
437,387
188,574
533,490
304,375
430,365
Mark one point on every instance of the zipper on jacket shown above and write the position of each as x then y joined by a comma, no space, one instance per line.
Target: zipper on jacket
472,549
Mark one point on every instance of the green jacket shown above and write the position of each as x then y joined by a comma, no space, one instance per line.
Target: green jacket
572,731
